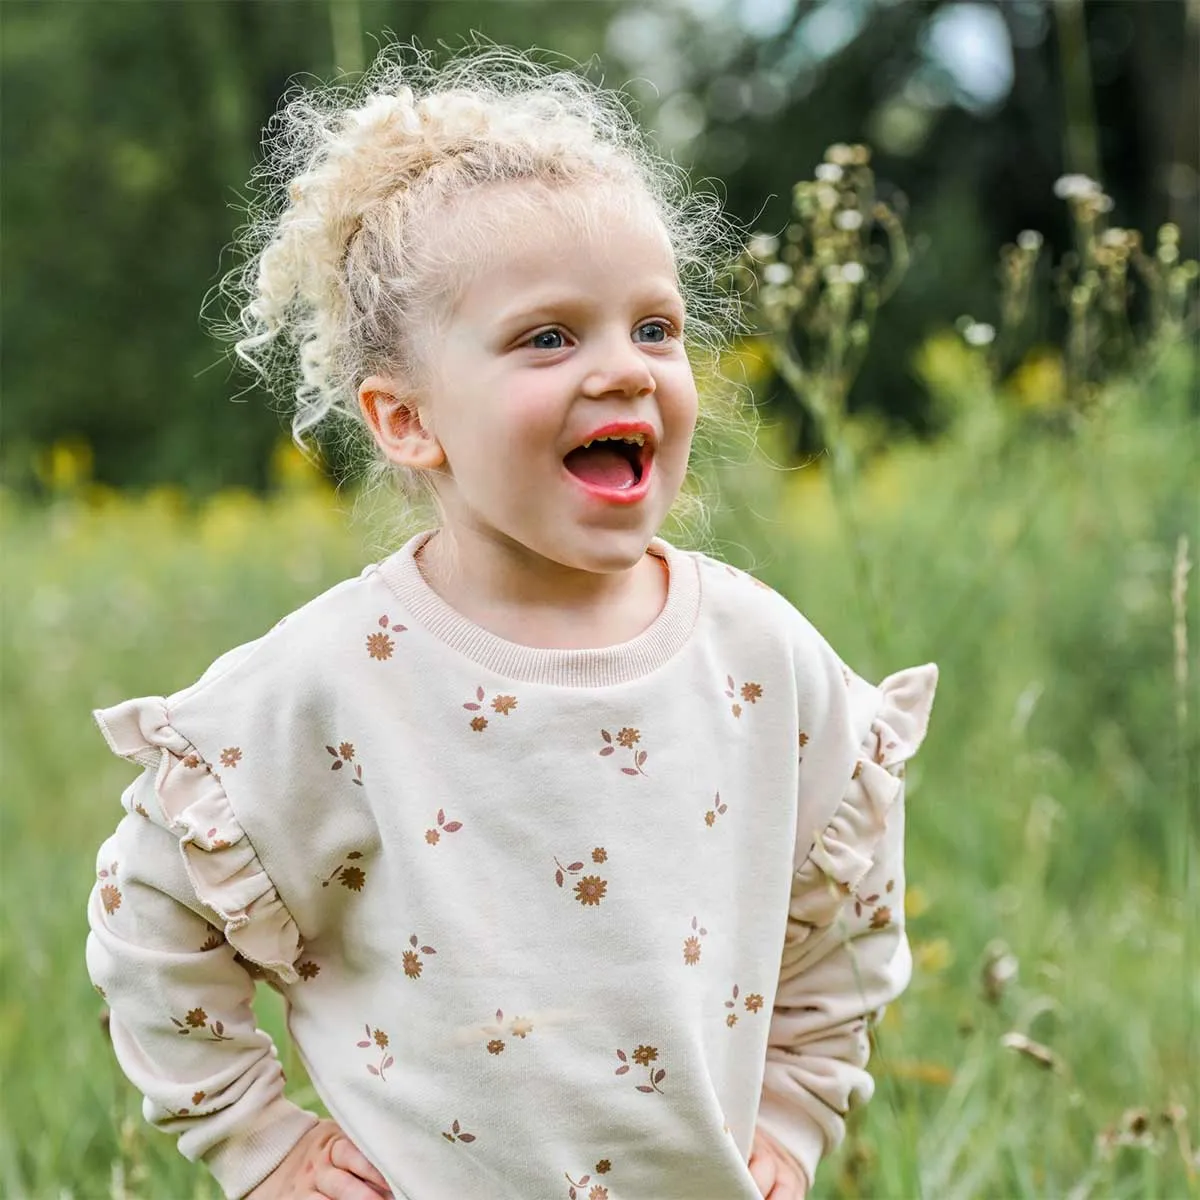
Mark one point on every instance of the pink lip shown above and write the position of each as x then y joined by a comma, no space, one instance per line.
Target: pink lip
639,491
630,495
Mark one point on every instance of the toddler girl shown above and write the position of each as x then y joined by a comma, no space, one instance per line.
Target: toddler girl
576,856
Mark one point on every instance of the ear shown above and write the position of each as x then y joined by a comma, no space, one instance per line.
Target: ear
395,420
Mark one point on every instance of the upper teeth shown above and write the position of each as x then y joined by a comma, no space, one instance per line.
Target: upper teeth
638,439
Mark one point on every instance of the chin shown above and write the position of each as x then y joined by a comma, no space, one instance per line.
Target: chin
601,551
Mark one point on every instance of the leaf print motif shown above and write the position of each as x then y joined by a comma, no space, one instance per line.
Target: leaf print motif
753,1003
456,1135
590,889
379,645
343,755
644,1056
433,836
351,877
503,705
718,810
520,1027
411,960
377,1038
197,1018
751,693
597,1191
628,739
110,894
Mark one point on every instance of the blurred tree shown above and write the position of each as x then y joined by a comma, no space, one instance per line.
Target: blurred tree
131,127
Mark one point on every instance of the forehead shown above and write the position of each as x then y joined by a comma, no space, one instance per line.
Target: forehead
523,238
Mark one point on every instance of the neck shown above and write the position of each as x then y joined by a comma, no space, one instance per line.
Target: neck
522,597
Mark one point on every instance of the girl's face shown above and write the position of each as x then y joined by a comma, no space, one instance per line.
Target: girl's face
563,334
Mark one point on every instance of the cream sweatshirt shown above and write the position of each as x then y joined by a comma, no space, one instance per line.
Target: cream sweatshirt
548,923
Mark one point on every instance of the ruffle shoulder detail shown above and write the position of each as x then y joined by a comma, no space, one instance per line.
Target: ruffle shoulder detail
844,851
222,865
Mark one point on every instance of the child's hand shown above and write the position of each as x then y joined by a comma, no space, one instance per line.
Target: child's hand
324,1163
774,1170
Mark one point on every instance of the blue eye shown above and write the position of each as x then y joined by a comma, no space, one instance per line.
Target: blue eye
538,344
660,326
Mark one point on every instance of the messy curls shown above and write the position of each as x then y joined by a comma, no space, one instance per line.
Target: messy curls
337,273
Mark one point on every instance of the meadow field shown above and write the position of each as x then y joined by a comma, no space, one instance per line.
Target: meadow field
1036,551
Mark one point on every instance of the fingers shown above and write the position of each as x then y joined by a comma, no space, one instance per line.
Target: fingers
333,1183
345,1154
764,1170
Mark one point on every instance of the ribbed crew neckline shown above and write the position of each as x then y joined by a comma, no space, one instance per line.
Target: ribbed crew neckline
599,667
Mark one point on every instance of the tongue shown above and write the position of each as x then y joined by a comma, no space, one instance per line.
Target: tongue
602,466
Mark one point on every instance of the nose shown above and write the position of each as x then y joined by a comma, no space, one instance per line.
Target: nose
619,368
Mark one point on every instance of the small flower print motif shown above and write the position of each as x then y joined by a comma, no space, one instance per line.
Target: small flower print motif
192,761
308,969
751,693
802,741
519,1027
503,705
857,770
348,875
881,914
591,888
599,855
731,1018
412,960
433,836
110,894
215,841
140,809
718,810
379,645
456,1134
644,1056
213,941
575,1187
377,1038
343,756
691,944
753,1003
231,756
628,739
197,1018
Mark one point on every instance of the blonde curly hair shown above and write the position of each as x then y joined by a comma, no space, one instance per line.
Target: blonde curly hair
342,272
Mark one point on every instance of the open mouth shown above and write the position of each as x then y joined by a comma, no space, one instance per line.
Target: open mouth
616,462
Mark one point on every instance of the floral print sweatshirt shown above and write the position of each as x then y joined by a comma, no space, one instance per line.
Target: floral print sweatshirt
548,923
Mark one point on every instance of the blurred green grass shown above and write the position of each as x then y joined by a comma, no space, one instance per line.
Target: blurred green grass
1029,552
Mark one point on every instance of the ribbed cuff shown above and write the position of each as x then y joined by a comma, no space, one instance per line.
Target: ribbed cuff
241,1162
796,1132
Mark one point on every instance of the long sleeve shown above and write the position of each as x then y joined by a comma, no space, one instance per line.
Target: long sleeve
847,955
179,996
